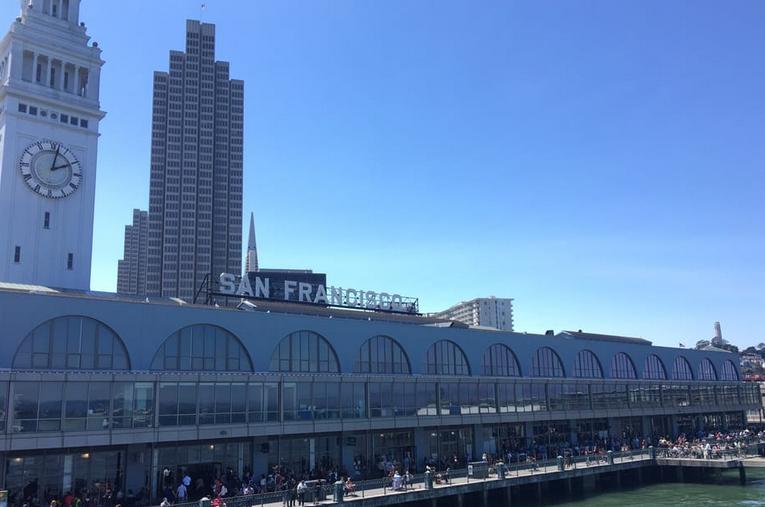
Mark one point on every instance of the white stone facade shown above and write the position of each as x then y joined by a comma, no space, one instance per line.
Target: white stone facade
49,93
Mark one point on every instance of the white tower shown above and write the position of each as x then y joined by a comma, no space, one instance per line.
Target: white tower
49,116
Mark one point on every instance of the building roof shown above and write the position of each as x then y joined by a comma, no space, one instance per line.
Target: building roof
712,348
579,335
257,305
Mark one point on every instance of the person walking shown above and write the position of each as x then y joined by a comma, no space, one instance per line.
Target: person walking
301,489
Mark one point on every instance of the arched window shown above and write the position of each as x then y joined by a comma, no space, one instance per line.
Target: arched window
446,358
622,367
306,352
72,342
707,370
587,365
546,363
654,368
500,361
729,371
382,354
681,370
202,347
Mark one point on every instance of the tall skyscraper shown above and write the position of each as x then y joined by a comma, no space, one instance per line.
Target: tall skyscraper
490,312
131,269
49,118
195,194
251,261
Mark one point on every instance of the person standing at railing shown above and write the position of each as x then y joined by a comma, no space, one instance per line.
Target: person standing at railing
301,490
396,481
181,493
350,487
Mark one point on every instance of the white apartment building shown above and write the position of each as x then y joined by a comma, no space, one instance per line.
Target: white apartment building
488,312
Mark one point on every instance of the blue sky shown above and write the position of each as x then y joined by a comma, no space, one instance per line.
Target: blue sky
600,162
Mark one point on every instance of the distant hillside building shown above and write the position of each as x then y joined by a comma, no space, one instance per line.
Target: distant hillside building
488,312
131,269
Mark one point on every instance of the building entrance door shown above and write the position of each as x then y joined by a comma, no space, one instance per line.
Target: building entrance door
203,477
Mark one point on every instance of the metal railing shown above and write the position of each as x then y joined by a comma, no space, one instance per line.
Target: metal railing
699,452
416,482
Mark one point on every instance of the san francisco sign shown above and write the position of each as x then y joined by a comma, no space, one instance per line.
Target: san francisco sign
261,287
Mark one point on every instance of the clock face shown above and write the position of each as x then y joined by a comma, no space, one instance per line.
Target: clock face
50,169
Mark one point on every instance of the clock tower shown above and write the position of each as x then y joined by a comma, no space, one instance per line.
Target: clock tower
49,116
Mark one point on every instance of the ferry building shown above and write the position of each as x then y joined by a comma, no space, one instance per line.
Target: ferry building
98,390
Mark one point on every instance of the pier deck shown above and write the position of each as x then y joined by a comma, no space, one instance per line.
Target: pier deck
376,497
378,493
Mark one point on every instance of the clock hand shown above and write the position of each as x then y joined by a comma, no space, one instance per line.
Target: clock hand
59,167
53,164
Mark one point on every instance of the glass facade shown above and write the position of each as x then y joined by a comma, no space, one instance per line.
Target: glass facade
3,405
707,370
550,437
500,361
72,342
393,399
446,358
729,371
547,363
622,366
654,368
202,348
382,354
586,365
393,448
448,447
681,369
33,478
263,402
304,351
589,431
200,461
101,406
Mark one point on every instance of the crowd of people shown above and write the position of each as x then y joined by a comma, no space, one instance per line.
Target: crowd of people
702,445
709,445
101,494
292,486
300,487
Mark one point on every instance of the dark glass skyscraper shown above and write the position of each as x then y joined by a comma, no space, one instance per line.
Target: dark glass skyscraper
195,194
131,269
